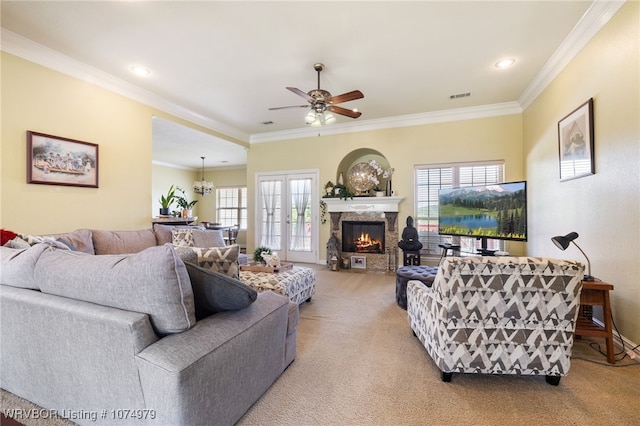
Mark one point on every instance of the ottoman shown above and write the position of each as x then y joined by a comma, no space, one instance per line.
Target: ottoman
297,283
404,274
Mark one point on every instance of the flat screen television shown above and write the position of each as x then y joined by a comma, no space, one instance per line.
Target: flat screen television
497,211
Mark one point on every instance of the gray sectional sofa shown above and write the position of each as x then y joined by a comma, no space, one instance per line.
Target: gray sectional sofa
106,333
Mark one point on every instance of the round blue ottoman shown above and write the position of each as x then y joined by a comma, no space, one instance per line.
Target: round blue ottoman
404,274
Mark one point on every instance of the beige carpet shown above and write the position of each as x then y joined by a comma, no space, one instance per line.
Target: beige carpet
358,363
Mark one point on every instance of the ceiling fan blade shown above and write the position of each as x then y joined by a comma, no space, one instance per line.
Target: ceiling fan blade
345,97
344,111
300,93
292,106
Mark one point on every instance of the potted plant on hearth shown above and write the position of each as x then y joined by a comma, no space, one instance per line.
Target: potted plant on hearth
166,202
184,203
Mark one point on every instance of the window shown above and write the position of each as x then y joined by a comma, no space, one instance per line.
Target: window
231,206
429,179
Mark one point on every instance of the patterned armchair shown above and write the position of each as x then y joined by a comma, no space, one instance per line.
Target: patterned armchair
498,315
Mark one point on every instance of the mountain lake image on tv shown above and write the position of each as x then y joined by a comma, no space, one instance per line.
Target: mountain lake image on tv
489,211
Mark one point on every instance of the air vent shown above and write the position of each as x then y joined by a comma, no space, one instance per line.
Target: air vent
460,95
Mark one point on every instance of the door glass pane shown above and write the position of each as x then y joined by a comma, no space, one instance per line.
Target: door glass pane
300,215
271,206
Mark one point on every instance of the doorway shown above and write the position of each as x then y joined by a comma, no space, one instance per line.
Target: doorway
287,214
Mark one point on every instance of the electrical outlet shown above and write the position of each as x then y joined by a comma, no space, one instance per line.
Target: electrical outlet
631,354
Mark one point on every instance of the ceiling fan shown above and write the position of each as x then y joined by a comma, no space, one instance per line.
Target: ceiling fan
321,101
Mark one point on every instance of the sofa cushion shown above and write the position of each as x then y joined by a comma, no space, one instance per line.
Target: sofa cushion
154,281
17,265
215,292
122,242
80,239
219,259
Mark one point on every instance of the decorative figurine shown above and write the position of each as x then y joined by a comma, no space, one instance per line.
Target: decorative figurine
410,241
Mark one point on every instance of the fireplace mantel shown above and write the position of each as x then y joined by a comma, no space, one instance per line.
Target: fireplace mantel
363,204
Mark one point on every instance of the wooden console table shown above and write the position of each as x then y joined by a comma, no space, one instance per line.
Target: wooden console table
596,293
173,220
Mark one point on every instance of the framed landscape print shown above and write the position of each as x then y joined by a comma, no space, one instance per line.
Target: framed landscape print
53,160
575,143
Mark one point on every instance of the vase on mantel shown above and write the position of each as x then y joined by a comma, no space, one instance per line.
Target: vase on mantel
389,191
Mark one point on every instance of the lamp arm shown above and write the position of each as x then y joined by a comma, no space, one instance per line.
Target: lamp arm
585,256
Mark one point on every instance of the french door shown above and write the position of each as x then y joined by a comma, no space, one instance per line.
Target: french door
287,215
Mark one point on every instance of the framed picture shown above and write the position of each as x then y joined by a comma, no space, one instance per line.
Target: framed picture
358,262
52,160
575,143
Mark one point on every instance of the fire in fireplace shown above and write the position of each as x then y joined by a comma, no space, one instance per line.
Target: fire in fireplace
363,237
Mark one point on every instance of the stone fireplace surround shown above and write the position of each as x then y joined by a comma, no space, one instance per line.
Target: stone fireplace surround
368,209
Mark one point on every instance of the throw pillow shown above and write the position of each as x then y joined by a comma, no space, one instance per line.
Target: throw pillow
154,281
219,259
195,237
215,292
17,265
208,238
6,236
182,237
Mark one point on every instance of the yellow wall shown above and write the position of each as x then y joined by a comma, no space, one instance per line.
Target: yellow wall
603,208
497,138
162,179
36,98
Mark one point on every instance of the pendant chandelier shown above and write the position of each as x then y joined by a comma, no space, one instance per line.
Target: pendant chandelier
203,187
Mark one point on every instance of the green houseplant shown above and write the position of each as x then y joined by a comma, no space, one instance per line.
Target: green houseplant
184,203
257,254
166,202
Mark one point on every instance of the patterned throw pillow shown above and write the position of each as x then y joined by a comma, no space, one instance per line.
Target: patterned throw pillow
219,259
182,237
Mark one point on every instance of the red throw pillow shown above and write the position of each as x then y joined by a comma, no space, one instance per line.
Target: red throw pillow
6,236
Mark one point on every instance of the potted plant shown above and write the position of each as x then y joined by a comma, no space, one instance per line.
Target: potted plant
166,202
184,203
257,254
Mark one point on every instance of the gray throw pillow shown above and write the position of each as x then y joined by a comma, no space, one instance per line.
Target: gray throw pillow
215,292
154,281
17,265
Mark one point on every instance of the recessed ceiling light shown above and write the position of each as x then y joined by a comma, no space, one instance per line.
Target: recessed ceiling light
140,70
505,63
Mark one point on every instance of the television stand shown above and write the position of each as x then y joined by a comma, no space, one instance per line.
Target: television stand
485,252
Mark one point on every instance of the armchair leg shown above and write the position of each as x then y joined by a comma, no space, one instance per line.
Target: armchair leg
446,377
553,380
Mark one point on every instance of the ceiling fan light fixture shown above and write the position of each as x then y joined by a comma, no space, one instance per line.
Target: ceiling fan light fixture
310,117
329,118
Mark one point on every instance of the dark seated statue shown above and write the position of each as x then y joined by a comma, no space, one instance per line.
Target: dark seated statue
410,241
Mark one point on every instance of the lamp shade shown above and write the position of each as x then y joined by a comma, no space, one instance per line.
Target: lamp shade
563,241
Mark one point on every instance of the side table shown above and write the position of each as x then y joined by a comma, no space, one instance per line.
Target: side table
596,293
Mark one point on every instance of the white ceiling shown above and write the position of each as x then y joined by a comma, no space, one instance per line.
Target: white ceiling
223,64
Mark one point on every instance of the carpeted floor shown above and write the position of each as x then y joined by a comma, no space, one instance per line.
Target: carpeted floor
358,363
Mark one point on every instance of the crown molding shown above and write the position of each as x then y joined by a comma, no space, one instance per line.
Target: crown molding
596,17
458,114
598,14
34,52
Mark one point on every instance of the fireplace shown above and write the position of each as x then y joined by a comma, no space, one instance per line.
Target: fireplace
363,237
377,241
